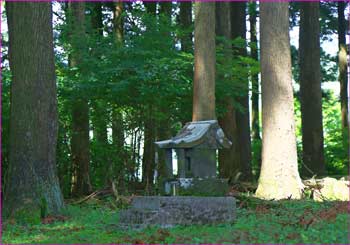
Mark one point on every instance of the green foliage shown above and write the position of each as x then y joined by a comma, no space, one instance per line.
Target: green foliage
335,152
27,216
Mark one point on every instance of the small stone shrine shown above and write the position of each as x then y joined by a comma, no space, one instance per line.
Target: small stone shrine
195,145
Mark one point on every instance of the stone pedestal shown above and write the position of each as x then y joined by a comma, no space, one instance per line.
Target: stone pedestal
177,210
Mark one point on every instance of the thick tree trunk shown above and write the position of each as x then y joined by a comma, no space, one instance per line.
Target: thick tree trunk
186,22
229,161
255,78
343,76
238,16
279,176
80,112
204,62
310,90
32,177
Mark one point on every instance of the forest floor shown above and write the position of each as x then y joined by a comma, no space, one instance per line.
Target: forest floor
258,221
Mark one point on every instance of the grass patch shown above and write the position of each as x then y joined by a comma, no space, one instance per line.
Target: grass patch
257,221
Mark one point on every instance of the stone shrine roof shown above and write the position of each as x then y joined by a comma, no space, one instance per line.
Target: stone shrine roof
202,134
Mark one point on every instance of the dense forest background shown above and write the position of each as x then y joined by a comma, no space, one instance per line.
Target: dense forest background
124,73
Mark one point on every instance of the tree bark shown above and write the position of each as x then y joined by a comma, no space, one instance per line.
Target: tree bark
80,111
186,22
310,90
342,62
148,161
32,177
99,116
118,22
229,161
238,16
204,62
279,176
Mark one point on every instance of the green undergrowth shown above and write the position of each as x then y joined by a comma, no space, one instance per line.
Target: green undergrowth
257,222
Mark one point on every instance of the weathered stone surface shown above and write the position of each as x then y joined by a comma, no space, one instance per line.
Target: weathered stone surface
178,210
333,189
203,187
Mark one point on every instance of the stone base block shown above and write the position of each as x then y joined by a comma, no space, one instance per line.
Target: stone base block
178,210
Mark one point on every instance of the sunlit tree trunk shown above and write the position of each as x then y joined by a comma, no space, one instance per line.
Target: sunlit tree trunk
342,62
80,142
279,176
238,17
310,89
32,178
204,62
229,161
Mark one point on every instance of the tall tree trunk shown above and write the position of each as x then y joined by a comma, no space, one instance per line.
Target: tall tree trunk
204,62
32,177
279,176
255,78
343,76
80,112
148,161
100,112
229,161
238,16
186,22
117,113
163,122
118,22
310,89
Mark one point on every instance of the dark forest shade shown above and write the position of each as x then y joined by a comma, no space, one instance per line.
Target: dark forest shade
238,30
229,160
33,132
310,90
